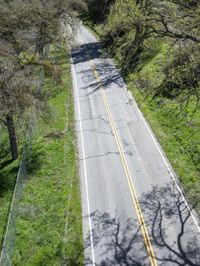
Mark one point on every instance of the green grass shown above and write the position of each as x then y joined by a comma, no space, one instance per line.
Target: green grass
8,173
179,137
49,226
178,140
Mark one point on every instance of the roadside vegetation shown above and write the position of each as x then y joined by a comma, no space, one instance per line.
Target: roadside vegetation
27,29
36,81
8,173
156,46
49,223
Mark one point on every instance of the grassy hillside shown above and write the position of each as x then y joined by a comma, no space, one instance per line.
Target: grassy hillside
177,130
178,134
49,226
8,173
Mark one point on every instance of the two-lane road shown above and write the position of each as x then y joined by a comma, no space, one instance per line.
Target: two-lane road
134,212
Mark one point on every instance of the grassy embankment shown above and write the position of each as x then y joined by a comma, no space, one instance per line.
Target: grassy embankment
8,173
179,135
49,226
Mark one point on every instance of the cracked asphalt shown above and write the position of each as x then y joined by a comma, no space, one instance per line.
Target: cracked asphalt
115,142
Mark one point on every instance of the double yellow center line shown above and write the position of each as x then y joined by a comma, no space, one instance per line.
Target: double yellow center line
140,217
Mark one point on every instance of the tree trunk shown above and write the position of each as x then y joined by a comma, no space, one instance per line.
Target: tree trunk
12,137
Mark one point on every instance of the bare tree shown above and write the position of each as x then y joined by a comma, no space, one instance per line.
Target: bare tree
26,28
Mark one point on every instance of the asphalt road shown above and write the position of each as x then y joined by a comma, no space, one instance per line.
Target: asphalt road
134,212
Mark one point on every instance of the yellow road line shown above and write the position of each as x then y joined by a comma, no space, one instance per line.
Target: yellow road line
141,220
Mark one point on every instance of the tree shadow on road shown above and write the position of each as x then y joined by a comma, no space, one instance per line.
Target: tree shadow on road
169,224
106,70
172,227
87,52
118,245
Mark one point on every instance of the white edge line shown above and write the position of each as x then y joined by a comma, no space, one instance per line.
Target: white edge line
84,162
162,156
129,95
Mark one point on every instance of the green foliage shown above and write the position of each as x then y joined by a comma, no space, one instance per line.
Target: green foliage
27,28
49,226
177,131
118,23
182,79
178,137
149,74
130,23
98,9
8,173
28,57
125,31
156,44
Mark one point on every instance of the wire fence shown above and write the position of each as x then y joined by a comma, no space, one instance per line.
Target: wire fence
10,233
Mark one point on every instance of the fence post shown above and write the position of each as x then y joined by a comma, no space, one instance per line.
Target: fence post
9,237
10,233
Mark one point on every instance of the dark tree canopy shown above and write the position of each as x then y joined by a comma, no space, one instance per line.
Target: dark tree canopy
99,9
